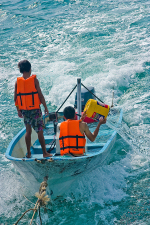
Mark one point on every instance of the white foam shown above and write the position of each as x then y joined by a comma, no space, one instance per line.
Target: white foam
103,185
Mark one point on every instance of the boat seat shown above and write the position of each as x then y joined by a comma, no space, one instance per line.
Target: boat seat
94,145
48,139
51,125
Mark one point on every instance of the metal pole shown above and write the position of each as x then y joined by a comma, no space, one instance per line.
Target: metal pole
79,97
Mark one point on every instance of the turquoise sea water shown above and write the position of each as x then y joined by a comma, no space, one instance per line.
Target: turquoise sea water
107,44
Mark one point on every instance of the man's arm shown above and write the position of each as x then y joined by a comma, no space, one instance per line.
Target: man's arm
15,92
15,98
41,97
92,136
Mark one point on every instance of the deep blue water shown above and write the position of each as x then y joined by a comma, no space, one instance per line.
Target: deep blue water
107,44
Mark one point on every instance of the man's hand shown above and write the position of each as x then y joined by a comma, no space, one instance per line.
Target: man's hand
20,114
46,111
102,120
83,115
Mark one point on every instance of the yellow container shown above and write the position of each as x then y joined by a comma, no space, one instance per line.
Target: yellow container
95,109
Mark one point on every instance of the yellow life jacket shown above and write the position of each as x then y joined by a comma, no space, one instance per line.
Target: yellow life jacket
71,140
27,95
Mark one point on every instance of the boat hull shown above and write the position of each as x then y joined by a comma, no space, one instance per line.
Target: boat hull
61,171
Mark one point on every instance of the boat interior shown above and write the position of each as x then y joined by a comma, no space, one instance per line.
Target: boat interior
51,140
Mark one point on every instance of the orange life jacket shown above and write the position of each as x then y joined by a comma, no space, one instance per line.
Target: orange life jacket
27,95
70,139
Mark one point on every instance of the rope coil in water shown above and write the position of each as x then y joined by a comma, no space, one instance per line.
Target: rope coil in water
42,201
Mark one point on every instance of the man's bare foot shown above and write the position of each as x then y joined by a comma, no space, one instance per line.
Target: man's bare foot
46,154
28,155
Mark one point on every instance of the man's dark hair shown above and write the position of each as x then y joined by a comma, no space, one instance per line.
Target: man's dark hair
69,112
24,66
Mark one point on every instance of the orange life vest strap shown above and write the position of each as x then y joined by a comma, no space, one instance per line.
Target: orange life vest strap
31,93
69,136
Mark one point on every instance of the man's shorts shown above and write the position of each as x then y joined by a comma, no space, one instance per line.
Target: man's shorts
34,118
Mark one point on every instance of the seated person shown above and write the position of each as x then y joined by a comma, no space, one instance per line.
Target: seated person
72,133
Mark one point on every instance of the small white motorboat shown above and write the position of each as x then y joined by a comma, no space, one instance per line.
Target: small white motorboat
61,171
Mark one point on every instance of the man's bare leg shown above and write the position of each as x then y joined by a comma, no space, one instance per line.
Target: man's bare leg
28,139
42,142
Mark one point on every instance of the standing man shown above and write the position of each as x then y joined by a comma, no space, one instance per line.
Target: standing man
28,97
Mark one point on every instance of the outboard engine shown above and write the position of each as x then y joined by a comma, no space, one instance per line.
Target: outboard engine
53,117
85,96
